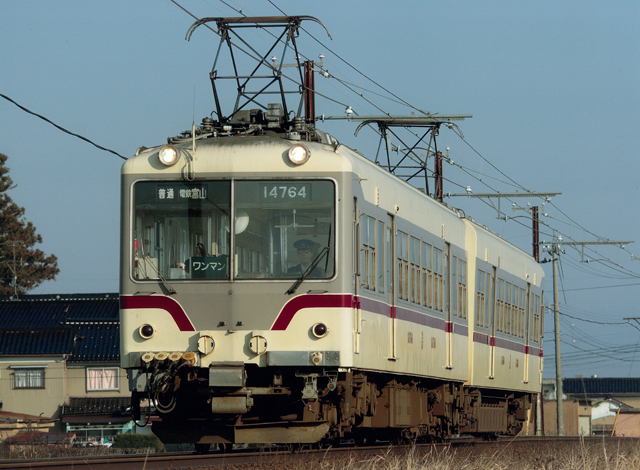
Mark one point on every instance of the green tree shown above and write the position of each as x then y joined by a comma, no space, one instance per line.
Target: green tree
19,259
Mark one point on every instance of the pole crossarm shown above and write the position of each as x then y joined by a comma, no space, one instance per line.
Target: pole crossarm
582,244
401,120
607,242
413,164
499,196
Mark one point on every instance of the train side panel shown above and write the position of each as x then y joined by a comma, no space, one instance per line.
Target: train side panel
507,324
397,319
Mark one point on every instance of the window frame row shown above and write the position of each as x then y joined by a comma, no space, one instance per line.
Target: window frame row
420,268
516,311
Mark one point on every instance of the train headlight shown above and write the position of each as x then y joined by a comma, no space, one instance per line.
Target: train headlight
299,154
168,155
319,330
146,331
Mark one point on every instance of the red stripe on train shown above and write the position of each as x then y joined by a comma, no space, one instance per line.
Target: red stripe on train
311,301
159,302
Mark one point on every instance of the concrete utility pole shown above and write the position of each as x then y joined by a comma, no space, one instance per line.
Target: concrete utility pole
536,233
556,321
554,249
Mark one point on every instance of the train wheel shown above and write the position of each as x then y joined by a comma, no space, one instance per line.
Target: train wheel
295,448
225,448
318,445
365,437
203,448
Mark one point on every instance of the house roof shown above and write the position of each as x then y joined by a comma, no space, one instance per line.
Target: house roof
22,341
51,311
96,341
96,409
85,326
97,405
606,386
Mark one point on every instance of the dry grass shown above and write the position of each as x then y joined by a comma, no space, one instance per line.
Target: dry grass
603,455
25,452
592,455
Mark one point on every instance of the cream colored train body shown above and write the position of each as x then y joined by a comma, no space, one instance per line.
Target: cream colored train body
415,322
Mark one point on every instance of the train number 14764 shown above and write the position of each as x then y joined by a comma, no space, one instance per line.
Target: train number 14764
285,191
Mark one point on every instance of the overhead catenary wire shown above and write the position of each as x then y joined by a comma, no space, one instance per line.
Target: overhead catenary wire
350,86
61,128
601,266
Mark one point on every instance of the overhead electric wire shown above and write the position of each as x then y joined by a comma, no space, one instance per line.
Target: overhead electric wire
603,287
351,87
605,265
62,128
598,352
355,69
344,83
592,321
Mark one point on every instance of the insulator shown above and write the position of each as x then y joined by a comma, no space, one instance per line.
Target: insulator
207,124
298,123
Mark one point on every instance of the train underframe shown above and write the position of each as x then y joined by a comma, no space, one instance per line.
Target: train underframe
233,404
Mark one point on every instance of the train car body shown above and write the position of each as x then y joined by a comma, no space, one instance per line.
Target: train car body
413,321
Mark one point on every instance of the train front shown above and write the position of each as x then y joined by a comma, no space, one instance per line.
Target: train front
236,326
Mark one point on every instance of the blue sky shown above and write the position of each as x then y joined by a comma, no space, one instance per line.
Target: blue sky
552,87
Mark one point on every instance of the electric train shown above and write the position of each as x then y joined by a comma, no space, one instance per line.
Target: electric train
278,287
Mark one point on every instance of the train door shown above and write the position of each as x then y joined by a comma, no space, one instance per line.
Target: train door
357,330
447,305
527,326
390,248
492,322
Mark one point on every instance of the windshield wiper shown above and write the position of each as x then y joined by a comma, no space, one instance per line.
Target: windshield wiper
307,271
166,285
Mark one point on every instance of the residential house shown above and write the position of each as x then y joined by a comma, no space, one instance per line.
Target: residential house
60,357
612,401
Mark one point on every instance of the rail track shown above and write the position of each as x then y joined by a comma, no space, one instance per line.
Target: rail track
286,458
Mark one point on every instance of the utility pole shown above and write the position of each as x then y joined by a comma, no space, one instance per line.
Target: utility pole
555,250
438,176
309,93
536,233
556,321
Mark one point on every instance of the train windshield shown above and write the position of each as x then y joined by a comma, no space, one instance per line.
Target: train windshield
181,230
284,228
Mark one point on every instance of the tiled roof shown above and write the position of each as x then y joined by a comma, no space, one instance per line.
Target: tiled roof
36,341
606,386
97,341
86,326
50,311
85,406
